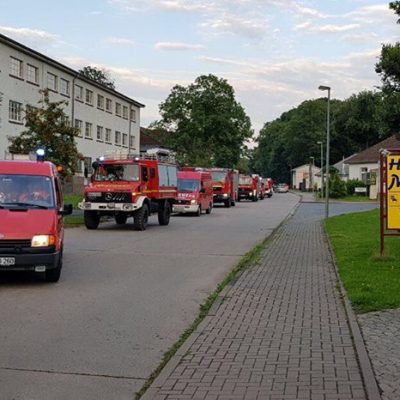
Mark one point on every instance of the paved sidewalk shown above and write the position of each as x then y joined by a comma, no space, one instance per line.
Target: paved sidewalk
280,331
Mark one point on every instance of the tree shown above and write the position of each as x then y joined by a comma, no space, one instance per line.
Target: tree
206,126
48,127
101,76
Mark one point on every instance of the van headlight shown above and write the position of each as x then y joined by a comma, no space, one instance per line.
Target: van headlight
193,201
43,240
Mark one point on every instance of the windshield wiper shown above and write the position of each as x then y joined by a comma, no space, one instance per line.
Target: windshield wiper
28,205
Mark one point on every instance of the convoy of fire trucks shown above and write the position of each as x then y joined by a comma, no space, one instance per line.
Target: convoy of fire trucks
121,186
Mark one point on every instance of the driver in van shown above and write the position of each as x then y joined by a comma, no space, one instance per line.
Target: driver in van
34,191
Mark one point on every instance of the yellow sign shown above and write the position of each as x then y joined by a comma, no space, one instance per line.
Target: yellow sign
393,191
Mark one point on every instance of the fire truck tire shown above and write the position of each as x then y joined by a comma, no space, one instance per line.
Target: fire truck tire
53,275
164,213
238,199
92,219
198,213
120,219
228,203
233,204
141,218
208,211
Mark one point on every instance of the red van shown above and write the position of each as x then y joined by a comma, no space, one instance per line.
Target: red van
195,192
31,218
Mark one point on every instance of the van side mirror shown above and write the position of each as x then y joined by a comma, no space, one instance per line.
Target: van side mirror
67,210
202,190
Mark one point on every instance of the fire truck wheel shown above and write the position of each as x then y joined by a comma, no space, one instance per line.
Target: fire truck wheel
92,219
53,275
141,218
233,204
208,211
120,219
227,203
238,199
198,213
164,213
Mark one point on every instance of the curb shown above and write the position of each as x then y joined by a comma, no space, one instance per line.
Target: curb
165,373
370,384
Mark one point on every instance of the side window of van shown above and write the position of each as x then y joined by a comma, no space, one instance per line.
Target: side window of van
58,193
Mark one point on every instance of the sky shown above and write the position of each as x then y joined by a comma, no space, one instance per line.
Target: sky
274,53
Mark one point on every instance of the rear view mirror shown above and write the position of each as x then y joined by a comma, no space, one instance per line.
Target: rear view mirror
67,210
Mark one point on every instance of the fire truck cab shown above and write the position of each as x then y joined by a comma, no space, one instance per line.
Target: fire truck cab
249,187
124,185
195,192
31,218
225,185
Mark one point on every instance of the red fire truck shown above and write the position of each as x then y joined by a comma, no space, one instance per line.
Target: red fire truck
124,186
195,192
268,189
249,187
225,185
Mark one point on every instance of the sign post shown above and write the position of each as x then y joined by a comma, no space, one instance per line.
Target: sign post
389,195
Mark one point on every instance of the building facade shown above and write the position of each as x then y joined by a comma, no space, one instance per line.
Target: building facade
107,120
306,178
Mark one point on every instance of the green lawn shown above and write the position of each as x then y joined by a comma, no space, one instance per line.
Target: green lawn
72,221
372,282
73,199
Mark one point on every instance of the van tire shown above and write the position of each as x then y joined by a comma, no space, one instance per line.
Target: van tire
227,203
53,275
141,218
121,218
92,219
164,213
208,210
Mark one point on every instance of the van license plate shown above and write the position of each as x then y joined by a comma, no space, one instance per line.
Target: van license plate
7,261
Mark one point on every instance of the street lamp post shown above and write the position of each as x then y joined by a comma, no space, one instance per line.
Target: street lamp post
322,168
311,174
327,88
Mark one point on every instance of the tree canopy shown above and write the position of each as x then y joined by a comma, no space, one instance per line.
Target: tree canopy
48,127
101,76
204,123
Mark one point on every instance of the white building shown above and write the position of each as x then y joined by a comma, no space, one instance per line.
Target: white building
107,119
306,177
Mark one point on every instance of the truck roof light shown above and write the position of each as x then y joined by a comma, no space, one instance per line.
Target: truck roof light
40,154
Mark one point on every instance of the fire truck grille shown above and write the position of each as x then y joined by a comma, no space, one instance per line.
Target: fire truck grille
217,189
111,197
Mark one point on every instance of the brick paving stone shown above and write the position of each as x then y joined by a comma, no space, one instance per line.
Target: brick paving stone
280,332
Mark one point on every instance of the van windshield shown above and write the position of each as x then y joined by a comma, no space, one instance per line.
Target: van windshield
30,191
218,176
188,185
117,172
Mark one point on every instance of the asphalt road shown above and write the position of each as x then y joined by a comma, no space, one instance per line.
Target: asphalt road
123,299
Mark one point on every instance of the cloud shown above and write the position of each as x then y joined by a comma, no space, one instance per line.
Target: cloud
28,34
119,41
329,28
177,46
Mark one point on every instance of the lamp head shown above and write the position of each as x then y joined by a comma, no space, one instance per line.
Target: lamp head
322,87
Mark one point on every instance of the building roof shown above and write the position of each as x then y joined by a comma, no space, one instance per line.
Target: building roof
372,154
39,56
305,166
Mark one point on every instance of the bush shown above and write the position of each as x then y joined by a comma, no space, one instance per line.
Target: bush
337,187
352,184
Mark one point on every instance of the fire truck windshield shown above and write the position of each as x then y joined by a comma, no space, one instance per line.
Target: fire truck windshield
218,176
26,191
188,185
117,172
245,180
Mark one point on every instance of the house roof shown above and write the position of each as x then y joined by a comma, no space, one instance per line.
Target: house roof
39,56
372,154
305,166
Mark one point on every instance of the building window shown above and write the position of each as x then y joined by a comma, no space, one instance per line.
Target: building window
100,102
108,135
52,81
133,115
87,165
89,97
79,125
108,105
132,142
78,93
88,130
15,67
32,74
125,139
118,138
15,111
118,109
125,112
99,133
64,87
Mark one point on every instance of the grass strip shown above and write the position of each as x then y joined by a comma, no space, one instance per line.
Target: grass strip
73,199
248,260
372,282
73,221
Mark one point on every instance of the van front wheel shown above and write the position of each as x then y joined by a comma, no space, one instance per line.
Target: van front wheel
53,275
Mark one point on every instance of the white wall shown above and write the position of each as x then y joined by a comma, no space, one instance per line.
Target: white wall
355,170
302,172
20,90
